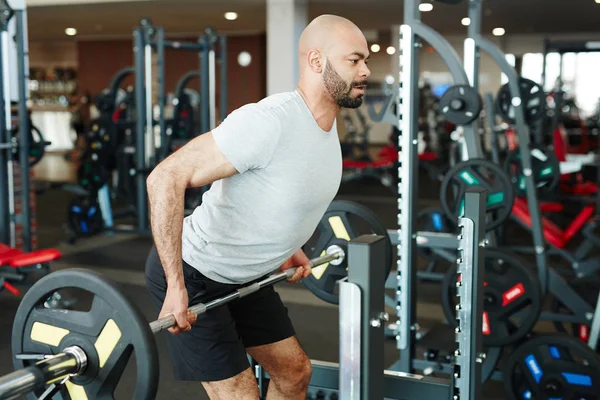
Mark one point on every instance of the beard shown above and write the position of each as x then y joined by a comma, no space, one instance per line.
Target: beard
340,90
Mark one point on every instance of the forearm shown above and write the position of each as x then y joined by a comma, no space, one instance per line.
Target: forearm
166,200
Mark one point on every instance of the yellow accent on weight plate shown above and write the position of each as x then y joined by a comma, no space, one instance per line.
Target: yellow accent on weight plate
338,227
107,340
76,392
47,334
318,271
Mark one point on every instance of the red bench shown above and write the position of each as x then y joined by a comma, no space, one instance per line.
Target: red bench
14,258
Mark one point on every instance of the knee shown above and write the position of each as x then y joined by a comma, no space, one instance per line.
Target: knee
296,377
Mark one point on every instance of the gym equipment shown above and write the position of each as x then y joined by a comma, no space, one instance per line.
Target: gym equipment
84,216
37,144
545,170
552,367
342,222
478,173
512,299
589,292
78,353
15,264
532,96
461,104
148,39
12,70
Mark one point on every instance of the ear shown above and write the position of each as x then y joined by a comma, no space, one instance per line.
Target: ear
315,61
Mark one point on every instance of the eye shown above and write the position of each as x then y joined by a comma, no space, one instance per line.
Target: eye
354,61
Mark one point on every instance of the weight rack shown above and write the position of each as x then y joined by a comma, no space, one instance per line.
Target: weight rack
146,40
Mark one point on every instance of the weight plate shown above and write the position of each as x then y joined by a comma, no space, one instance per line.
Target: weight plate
589,292
37,145
461,104
545,167
109,332
84,216
533,99
92,175
478,173
555,366
342,222
511,298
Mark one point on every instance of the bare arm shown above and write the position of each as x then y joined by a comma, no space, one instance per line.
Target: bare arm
198,163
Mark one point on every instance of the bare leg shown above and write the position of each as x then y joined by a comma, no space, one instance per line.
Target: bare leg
242,386
288,366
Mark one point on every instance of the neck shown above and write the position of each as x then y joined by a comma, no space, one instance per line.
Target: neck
320,105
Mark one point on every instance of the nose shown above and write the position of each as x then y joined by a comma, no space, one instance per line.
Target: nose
365,72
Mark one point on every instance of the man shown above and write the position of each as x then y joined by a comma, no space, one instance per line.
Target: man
275,167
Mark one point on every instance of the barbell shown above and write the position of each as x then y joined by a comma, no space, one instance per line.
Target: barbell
82,355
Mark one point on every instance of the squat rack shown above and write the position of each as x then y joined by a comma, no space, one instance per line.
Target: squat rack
146,40
14,65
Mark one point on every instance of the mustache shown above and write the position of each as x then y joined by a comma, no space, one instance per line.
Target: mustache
361,83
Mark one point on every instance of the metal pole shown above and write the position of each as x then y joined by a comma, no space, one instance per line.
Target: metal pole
23,131
140,98
204,87
8,137
223,58
212,85
150,146
160,51
5,153
408,107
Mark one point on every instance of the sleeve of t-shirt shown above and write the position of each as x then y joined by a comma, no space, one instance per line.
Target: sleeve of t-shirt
248,137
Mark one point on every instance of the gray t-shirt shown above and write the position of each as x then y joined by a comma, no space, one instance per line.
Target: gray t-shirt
289,172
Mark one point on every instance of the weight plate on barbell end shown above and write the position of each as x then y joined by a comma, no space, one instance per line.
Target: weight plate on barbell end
553,366
511,298
533,99
84,216
37,145
342,222
109,333
478,173
545,167
461,104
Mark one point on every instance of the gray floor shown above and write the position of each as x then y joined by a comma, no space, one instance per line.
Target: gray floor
122,258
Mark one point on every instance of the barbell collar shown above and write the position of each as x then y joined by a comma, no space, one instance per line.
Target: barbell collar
43,373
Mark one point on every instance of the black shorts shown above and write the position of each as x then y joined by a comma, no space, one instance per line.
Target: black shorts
215,348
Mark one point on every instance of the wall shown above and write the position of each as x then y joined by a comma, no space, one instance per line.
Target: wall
53,54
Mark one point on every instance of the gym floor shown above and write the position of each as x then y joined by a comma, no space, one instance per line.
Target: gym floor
122,258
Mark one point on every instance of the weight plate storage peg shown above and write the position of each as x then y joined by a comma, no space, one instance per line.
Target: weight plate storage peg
342,222
533,100
554,366
511,298
106,336
433,219
478,173
461,104
545,167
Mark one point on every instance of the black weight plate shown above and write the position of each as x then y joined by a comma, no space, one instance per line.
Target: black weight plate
554,366
478,173
461,104
545,167
533,100
512,298
342,222
92,175
84,216
109,333
37,145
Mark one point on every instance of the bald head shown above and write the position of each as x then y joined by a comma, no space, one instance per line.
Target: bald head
332,56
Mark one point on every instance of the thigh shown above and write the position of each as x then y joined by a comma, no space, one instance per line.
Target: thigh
281,357
261,318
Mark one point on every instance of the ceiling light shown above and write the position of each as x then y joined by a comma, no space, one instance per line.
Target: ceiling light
598,1
71,31
425,7
498,32
390,50
231,16
466,21
375,47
